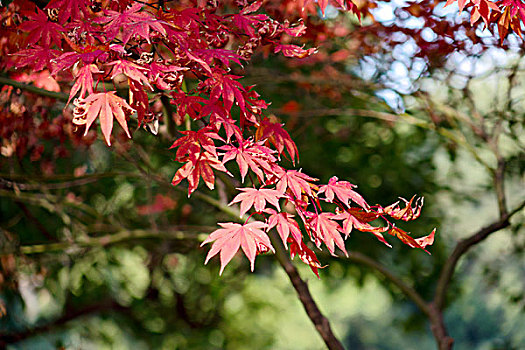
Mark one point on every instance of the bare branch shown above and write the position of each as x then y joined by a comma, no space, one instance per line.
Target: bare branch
461,248
320,322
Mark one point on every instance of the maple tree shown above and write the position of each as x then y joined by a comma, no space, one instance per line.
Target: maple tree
132,61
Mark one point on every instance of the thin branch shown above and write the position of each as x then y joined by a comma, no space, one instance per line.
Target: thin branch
101,306
31,88
109,239
461,248
320,322
410,292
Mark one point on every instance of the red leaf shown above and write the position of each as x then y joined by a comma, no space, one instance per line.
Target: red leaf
131,70
197,167
414,243
257,198
132,22
295,181
231,236
279,137
306,255
103,105
84,81
252,156
294,51
343,191
327,230
284,225
408,213
351,221
42,30
69,9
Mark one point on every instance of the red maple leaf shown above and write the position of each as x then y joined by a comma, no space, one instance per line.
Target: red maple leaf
37,58
190,105
257,198
74,9
279,137
293,180
197,167
131,70
360,223
105,106
306,255
132,22
231,236
421,242
343,191
190,144
226,86
408,213
42,30
294,51
325,229
84,81
250,155
285,226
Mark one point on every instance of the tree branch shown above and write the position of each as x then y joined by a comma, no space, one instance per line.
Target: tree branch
321,323
410,292
461,248
102,306
31,88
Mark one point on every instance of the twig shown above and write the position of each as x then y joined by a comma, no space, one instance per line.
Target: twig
461,248
410,292
109,239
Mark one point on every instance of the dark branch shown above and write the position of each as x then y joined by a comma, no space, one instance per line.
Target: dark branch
321,323
71,314
461,248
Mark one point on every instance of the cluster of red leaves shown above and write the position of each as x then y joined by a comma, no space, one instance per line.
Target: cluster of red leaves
151,49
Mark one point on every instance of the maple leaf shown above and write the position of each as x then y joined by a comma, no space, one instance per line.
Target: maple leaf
306,255
326,229
84,81
197,167
190,144
219,119
160,74
293,180
249,155
294,51
279,137
42,30
37,58
190,105
408,213
69,9
138,99
132,22
105,106
246,22
131,70
343,191
421,242
227,240
285,226
226,86
360,223
257,198
88,56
